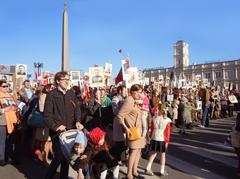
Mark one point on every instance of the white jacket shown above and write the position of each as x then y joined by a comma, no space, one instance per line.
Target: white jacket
159,126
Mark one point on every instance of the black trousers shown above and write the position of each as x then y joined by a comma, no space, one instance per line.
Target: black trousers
118,149
230,110
58,159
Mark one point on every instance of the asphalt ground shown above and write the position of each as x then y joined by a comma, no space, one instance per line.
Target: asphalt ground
199,154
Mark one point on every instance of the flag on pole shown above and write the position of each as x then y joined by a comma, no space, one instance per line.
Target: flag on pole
119,77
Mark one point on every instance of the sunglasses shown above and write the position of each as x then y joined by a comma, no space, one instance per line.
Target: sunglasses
4,86
65,79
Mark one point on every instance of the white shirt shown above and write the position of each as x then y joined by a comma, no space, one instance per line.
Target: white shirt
159,126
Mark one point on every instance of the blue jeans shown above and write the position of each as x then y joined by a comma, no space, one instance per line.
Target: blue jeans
3,135
205,119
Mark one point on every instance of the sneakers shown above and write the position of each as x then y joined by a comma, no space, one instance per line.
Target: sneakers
200,125
164,174
148,172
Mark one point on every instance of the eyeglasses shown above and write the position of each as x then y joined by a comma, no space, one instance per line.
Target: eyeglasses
65,79
4,86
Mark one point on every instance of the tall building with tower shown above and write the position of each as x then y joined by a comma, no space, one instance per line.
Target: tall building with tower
218,73
181,54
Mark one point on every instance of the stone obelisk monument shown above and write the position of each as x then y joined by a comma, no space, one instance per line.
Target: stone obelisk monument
65,56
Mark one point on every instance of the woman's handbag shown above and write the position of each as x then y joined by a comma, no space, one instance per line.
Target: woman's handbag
36,119
135,134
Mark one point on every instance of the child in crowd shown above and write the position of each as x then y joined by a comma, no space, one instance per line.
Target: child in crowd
79,157
160,136
101,158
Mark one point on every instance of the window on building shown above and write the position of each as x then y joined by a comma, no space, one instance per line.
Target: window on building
188,77
229,74
208,75
218,74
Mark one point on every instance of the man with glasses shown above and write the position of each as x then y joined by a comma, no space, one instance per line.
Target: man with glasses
61,113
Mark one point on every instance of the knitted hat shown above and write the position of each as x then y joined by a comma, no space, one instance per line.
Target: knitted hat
81,139
95,135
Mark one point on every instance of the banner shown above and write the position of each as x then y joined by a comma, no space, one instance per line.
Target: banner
170,97
50,80
4,69
146,81
198,77
125,69
6,77
199,105
206,82
75,75
96,77
21,70
132,77
181,83
108,69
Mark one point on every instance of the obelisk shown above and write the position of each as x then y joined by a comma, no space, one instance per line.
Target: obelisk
65,56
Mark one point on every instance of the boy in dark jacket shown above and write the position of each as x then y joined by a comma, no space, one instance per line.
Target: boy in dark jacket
79,156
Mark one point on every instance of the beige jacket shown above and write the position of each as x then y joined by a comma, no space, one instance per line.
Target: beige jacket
130,115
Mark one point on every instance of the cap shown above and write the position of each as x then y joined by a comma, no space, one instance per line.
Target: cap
81,139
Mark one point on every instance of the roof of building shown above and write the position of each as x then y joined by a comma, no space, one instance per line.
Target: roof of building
206,63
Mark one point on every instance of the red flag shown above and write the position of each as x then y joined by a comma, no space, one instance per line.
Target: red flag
119,77
86,92
95,65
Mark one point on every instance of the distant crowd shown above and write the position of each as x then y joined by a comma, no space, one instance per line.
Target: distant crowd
115,125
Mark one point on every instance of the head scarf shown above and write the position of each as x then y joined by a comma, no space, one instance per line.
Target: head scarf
95,135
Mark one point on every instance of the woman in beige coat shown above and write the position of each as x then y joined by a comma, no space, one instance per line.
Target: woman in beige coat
130,116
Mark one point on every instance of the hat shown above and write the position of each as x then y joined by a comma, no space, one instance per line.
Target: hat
81,139
95,135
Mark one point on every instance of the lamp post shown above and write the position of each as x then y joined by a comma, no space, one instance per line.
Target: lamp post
37,66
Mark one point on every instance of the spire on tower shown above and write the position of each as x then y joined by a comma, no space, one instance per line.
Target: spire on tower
65,5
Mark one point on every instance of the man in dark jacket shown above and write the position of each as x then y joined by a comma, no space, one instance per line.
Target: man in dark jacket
61,113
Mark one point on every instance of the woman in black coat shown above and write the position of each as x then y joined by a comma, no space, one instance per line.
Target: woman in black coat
94,117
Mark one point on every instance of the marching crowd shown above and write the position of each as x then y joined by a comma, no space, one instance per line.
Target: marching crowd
115,124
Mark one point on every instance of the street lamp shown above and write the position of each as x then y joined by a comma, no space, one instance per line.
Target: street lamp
38,66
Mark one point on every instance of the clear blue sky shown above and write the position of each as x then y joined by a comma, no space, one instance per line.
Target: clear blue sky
30,31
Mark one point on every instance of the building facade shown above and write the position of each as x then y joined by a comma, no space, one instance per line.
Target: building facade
223,73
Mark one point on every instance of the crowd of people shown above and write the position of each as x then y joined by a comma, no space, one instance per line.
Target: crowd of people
115,124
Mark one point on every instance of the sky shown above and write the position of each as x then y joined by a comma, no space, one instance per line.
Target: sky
145,30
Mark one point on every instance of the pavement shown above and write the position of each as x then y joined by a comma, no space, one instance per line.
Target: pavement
199,154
